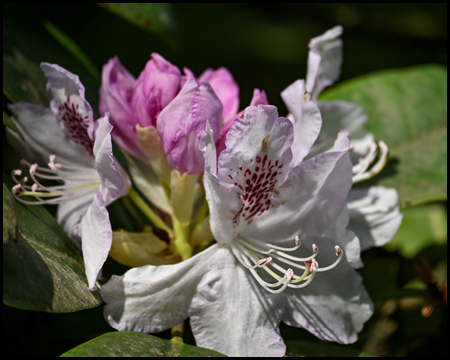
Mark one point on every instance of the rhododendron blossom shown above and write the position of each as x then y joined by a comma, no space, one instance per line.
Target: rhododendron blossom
379,210
264,213
79,155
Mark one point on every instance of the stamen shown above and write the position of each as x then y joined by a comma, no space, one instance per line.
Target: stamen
339,254
83,181
366,168
315,249
245,250
264,262
15,189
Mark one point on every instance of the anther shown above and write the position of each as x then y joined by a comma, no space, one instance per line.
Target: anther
33,169
289,274
264,262
34,187
315,248
314,265
271,251
297,241
16,189
17,172
338,250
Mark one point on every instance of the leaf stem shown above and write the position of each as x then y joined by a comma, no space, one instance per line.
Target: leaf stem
181,245
177,333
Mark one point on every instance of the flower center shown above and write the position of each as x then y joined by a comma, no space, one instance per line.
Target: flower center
74,182
247,250
256,181
76,121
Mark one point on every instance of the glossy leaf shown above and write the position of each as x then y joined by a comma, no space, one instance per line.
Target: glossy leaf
42,268
9,217
128,343
422,226
154,17
407,109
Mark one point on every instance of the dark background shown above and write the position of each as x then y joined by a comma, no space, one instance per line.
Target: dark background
264,46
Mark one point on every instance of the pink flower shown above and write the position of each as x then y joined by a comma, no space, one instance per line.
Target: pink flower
182,122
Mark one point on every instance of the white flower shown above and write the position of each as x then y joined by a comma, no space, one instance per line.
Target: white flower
374,214
79,155
237,291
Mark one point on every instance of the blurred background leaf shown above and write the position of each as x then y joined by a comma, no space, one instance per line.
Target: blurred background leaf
407,109
128,343
42,269
153,17
422,226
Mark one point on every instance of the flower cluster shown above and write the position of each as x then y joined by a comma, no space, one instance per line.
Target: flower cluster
245,199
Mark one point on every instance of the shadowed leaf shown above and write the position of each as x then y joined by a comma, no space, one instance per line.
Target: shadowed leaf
128,343
42,268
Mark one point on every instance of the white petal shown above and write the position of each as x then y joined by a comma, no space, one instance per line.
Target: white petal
232,314
112,182
334,306
208,148
374,215
337,115
43,137
306,119
255,162
96,235
224,208
311,201
324,61
70,213
63,86
154,298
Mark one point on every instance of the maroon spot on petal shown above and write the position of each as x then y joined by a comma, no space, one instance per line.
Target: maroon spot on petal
258,159
247,172
257,168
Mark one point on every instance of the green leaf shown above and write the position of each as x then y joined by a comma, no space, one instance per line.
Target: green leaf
9,217
154,17
422,226
407,109
321,349
42,268
128,343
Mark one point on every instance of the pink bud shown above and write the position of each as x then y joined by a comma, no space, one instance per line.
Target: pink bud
182,122
116,92
155,88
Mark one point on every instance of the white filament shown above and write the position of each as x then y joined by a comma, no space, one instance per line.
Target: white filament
245,249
